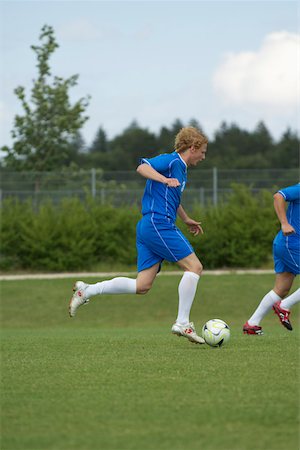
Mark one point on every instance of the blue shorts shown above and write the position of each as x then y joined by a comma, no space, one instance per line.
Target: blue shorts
286,260
157,240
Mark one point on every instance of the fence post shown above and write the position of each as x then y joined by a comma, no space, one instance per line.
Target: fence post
215,186
93,182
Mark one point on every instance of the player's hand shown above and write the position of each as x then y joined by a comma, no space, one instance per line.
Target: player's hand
172,182
287,229
194,227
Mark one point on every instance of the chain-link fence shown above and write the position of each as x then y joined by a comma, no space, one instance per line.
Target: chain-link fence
205,186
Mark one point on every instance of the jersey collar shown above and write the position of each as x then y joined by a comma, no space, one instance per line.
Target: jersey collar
182,159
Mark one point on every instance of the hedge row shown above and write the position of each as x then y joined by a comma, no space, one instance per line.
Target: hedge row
76,235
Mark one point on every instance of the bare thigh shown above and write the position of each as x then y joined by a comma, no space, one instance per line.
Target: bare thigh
191,263
283,283
145,279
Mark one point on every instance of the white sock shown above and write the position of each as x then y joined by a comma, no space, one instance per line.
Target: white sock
119,285
186,290
265,305
291,300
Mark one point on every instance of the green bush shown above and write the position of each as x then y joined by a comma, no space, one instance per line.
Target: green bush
75,235
14,217
114,232
238,232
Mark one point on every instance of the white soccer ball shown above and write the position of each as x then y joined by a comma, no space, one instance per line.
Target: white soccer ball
216,332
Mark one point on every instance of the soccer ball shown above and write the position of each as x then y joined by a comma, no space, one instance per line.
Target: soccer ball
216,332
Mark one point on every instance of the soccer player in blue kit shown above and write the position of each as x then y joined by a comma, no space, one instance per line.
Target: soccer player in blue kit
157,236
286,253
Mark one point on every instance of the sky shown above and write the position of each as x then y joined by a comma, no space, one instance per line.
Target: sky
156,61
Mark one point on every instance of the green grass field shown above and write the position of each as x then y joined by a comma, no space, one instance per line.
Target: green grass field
115,378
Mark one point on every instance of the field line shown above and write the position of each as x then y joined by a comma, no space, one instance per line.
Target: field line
79,275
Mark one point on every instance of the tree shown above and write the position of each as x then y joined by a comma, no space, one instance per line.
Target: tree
286,152
194,123
100,144
235,148
42,135
176,126
165,140
130,146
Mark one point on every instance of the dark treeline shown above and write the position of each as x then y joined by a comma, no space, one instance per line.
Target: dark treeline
230,148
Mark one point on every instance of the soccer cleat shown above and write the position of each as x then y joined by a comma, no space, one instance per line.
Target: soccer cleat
187,331
283,315
252,329
78,298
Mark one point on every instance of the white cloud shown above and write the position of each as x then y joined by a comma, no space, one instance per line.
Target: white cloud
267,78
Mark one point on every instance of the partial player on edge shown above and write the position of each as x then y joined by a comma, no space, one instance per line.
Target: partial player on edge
286,254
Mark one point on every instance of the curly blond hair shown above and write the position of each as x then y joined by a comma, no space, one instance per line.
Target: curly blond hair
187,137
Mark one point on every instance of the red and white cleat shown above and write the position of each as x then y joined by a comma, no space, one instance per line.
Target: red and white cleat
252,329
283,315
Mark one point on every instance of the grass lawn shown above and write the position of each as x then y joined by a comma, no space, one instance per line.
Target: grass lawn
115,378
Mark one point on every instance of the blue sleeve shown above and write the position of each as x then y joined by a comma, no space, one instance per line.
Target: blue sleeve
291,193
159,163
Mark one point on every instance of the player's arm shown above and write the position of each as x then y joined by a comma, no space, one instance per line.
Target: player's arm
279,206
194,227
148,172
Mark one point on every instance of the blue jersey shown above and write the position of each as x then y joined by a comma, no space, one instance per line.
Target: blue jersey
159,200
292,195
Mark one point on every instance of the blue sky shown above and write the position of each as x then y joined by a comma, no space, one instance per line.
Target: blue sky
155,61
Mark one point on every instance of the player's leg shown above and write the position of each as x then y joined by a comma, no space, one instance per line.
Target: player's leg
187,287
291,300
281,307
187,290
119,285
290,257
283,283
83,291
148,265
124,285
145,279
191,263
166,241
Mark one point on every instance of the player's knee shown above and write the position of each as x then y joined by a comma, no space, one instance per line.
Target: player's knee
191,264
142,291
143,288
282,292
198,268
